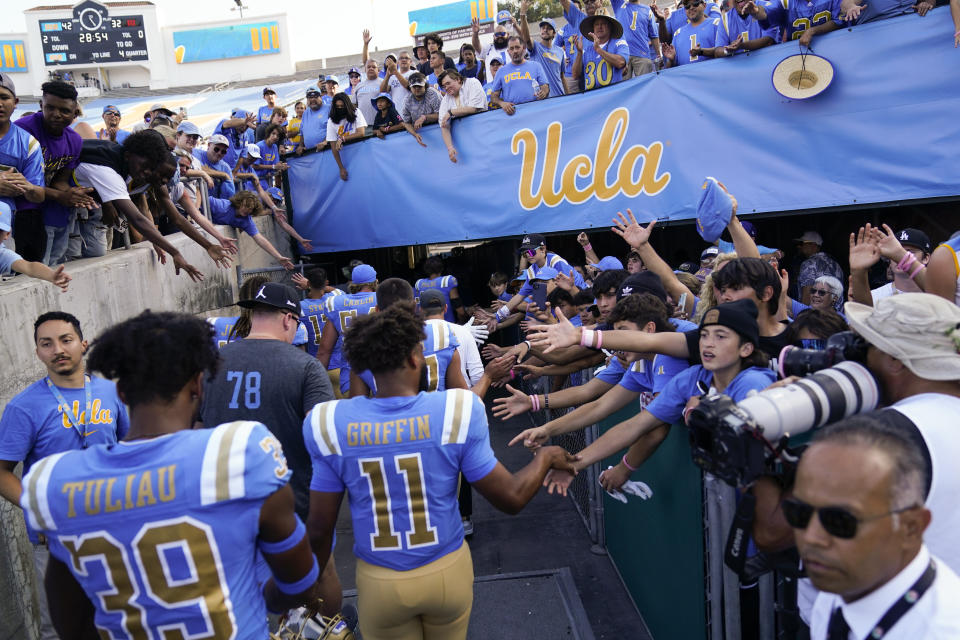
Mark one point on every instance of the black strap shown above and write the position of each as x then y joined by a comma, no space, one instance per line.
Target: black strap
838,628
735,555
905,603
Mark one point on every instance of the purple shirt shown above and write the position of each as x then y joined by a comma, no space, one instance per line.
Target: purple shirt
59,152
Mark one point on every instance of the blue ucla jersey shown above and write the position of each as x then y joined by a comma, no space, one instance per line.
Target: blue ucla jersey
519,83
597,72
443,284
222,328
639,27
797,16
311,312
552,60
668,406
162,533
566,40
438,349
732,26
689,36
340,312
650,377
398,459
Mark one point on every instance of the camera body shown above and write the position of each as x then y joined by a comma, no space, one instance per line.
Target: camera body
840,347
739,442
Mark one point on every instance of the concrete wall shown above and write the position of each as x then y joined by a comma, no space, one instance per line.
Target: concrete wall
104,291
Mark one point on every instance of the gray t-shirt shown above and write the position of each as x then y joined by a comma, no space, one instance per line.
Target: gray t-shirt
362,94
275,383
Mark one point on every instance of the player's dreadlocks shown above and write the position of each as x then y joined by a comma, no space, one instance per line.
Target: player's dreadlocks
381,341
153,355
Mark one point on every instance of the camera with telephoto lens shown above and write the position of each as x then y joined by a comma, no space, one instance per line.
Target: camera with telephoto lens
840,347
740,441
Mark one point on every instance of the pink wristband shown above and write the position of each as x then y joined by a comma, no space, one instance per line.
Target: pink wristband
588,247
627,464
907,259
535,401
920,267
586,337
599,338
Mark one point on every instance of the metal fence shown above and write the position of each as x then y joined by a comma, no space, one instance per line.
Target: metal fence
274,274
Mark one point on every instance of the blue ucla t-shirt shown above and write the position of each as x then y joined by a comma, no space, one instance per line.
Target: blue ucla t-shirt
668,406
518,83
650,377
33,425
154,516
399,459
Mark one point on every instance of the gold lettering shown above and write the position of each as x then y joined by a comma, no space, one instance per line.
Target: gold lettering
365,434
352,434
376,433
170,492
628,179
145,494
95,412
387,431
71,488
108,505
92,490
128,492
423,427
400,423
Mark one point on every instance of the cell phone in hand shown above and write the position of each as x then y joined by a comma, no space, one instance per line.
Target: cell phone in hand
539,294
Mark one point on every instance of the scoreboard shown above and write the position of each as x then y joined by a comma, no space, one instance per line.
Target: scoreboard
92,36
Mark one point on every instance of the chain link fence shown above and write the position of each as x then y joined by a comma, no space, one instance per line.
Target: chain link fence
274,274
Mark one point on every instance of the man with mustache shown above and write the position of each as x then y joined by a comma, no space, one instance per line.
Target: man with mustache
65,410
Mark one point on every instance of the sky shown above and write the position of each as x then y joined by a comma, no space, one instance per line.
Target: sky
307,20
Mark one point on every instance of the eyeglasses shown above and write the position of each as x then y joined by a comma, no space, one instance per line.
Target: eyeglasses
836,521
820,292
529,253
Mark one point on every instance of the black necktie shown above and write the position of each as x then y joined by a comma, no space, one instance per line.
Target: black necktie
838,629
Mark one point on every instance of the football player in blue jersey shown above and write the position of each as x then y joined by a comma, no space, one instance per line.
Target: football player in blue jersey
799,20
447,285
398,456
315,283
339,312
162,530
692,38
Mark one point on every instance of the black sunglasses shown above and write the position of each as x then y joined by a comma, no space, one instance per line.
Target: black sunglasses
820,292
836,521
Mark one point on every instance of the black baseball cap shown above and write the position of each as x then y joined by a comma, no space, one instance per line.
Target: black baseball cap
432,299
532,241
739,315
915,238
276,295
267,90
643,282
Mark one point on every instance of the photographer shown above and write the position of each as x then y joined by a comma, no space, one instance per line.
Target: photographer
913,353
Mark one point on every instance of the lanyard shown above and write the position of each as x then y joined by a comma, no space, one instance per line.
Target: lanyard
65,407
905,603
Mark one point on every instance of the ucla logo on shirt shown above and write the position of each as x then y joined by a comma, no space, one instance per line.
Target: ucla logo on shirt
517,75
99,416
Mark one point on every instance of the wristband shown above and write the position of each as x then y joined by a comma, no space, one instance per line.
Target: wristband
504,311
512,374
627,464
302,584
287,543
534,403
588,247
907,259
546,402
599,338
920,267
586,338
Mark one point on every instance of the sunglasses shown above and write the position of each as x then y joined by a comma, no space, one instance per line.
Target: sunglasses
836,521
820,292
529,253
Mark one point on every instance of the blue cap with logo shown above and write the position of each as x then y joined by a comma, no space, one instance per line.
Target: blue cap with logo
607,263
334,79
6,217
549,22
112,109
363,274
714,210
353,70
503,16
313,90
239,113
546,273
383,95
275,193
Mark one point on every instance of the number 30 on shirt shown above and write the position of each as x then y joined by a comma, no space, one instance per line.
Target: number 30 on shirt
597,74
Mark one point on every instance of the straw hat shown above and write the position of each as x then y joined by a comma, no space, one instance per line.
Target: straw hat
802,76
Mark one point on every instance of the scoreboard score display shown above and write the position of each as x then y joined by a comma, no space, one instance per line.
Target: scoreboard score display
93,36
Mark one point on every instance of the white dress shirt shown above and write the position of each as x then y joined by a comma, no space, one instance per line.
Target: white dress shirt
470,363
471,95
935,616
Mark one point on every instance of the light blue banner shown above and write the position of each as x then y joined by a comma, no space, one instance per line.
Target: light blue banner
450,15
220,43
885,130
13,56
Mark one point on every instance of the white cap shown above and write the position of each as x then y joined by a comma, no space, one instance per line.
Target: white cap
811,236
918,329
218,138
253,151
